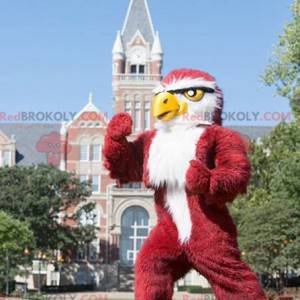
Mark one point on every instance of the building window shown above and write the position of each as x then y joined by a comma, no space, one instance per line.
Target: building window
95,183
137,115
6,158
84,152
134,231
136,185
96,152
127,107
81,252
131,185
83,178
94,250
90,251
141,69
133,69
137,69
147,115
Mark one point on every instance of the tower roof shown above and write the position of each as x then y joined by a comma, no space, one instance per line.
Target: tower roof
156,48
138,18
118,46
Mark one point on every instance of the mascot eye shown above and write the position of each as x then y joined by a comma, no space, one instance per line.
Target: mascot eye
194,94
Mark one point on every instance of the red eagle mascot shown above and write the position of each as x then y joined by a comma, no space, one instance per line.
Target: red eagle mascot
195,166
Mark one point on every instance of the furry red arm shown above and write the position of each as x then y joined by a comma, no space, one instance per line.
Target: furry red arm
123,159
231,173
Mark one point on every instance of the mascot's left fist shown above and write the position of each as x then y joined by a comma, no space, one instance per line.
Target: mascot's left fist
120,126
197,177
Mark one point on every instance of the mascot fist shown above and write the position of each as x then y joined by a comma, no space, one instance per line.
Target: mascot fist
197,177
120,126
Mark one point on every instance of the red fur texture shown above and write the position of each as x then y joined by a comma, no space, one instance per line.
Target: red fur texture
220,171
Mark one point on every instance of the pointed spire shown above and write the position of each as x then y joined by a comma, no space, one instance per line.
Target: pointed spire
118,45
157,49
90,98
138,18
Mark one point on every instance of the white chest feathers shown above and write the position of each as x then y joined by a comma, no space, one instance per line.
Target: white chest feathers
169,157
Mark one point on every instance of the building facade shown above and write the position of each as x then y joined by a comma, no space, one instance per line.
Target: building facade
124,214
7,150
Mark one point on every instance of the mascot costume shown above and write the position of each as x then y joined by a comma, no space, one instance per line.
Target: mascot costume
195,166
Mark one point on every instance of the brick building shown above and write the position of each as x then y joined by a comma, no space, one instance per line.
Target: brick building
124,214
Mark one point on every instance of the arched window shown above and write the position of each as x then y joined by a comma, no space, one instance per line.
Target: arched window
134,230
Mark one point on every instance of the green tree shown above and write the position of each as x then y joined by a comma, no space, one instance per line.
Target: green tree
45,197
15,237
284,69
270,236
268,217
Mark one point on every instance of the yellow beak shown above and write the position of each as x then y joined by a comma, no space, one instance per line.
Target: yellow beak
166,106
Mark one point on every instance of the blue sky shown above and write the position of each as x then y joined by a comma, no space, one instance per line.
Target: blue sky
54,52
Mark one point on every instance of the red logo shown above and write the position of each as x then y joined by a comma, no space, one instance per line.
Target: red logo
53,147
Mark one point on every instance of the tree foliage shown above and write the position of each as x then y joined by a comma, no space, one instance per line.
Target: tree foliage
15,237
284,69
45,198
270,238
268,217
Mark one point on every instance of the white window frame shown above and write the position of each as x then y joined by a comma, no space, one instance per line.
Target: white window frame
99,153
99,184
87,151
133,253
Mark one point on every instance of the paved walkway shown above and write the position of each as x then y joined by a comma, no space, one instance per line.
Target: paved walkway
122,296
114,296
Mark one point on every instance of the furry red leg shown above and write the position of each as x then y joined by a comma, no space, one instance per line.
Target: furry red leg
159,264
231,278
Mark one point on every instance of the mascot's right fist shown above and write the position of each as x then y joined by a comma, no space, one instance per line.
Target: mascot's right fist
120,126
